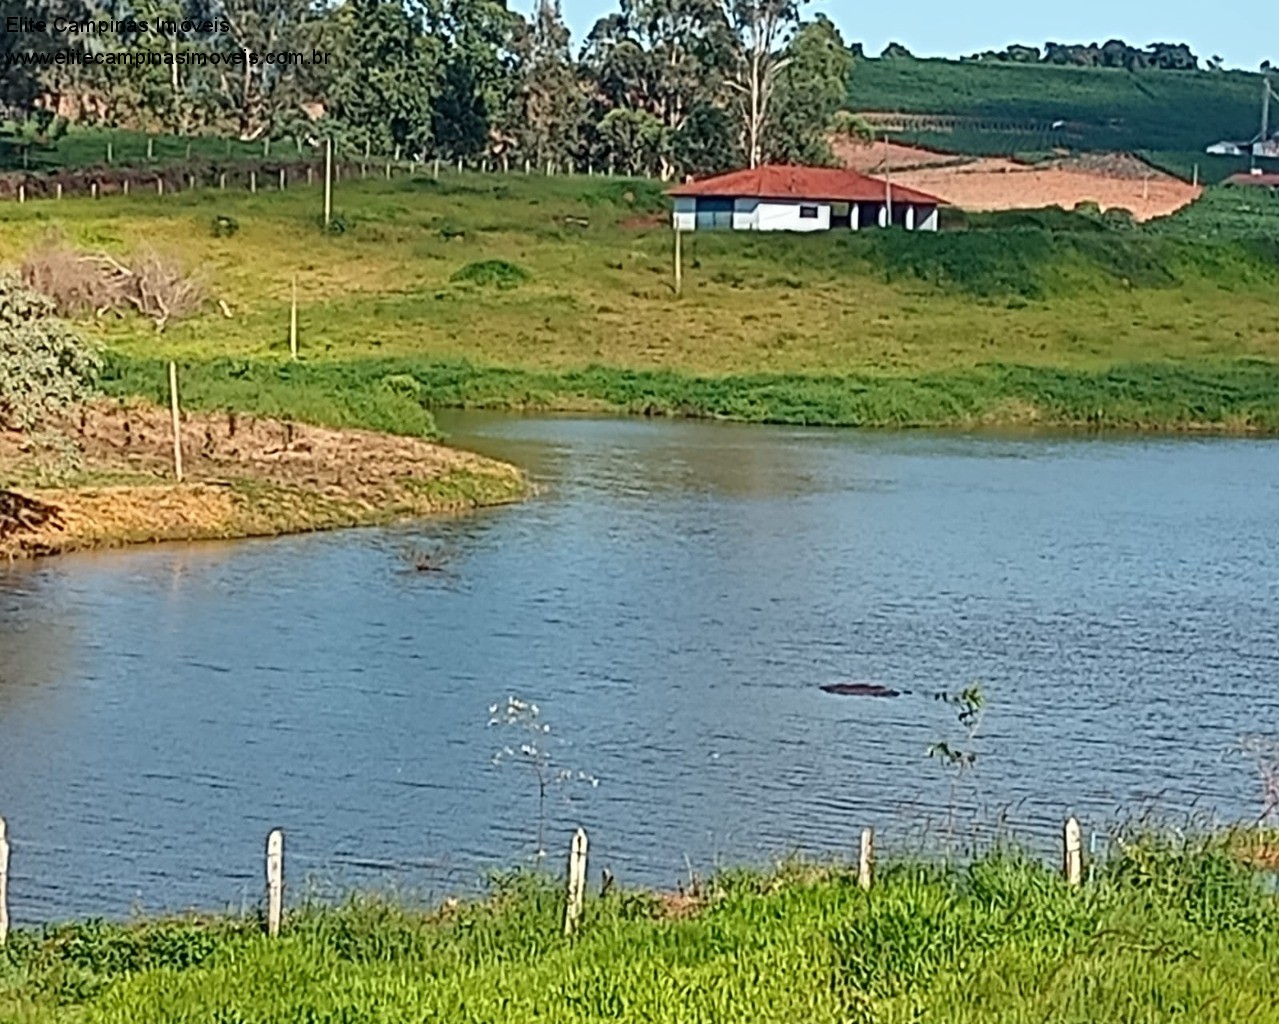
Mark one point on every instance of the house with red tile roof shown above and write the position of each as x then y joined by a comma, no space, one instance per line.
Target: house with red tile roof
785,198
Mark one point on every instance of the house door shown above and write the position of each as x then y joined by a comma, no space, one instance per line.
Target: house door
714,213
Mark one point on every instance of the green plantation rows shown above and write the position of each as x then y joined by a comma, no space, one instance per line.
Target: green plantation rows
1170,115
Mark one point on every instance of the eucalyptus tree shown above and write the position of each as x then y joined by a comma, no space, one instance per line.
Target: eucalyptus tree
548,101
18,84
761,30
268,92
810,91
475,77
386,76
664,58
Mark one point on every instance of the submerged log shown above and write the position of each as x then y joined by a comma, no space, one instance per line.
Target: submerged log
860,690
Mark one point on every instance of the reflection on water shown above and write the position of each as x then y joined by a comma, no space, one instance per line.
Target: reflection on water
674,600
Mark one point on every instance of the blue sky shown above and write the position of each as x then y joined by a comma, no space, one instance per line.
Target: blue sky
1241,31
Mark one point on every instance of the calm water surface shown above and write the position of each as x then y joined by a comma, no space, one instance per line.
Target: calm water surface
673,601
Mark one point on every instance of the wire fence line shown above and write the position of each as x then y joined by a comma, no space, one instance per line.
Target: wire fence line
1076,859
259,174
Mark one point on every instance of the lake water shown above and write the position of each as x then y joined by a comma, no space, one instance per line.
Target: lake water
673,600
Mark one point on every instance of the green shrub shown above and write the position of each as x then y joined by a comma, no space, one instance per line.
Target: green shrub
224,226
492,274
44,364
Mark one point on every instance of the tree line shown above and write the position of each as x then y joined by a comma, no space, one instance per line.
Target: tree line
663,87
1113,53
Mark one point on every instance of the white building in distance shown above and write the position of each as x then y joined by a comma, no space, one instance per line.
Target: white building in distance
785,198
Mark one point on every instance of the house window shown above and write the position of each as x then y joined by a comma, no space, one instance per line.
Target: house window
808,213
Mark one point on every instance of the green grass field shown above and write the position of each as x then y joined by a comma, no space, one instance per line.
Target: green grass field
557,293
1160,934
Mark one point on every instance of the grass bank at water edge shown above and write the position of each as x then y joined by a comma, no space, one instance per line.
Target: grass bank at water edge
1160,934
396,395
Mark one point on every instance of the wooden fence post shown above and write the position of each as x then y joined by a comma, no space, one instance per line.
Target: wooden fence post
4,882
253,182
177,421
576,882
293,321
22,193
58,190
159,186
328,182
679,260
93,188
124,187
866,861
283,182
274,881
150,148
1073,849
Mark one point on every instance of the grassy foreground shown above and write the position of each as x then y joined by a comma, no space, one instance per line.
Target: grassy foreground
1160,934
507,291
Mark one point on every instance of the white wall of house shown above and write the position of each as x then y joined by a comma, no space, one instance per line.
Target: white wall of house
746,214
786,217
761,215
685,216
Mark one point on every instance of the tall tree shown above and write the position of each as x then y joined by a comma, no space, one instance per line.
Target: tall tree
632,140
662,57
269,92
761,30
810,91
548,101
386,78
18,83
475,78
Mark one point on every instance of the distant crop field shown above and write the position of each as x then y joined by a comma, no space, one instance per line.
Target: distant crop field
1012,106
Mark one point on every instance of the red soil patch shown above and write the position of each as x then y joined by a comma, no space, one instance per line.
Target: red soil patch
874,157
1112,181
645,221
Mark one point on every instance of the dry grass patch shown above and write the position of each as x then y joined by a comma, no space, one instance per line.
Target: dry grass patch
244,476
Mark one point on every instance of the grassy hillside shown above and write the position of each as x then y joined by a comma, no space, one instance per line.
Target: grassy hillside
1158,935
557,293
1171,115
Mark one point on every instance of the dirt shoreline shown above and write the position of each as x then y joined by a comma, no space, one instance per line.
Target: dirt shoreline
244,476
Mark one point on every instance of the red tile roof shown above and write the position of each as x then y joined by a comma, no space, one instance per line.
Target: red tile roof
818,184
